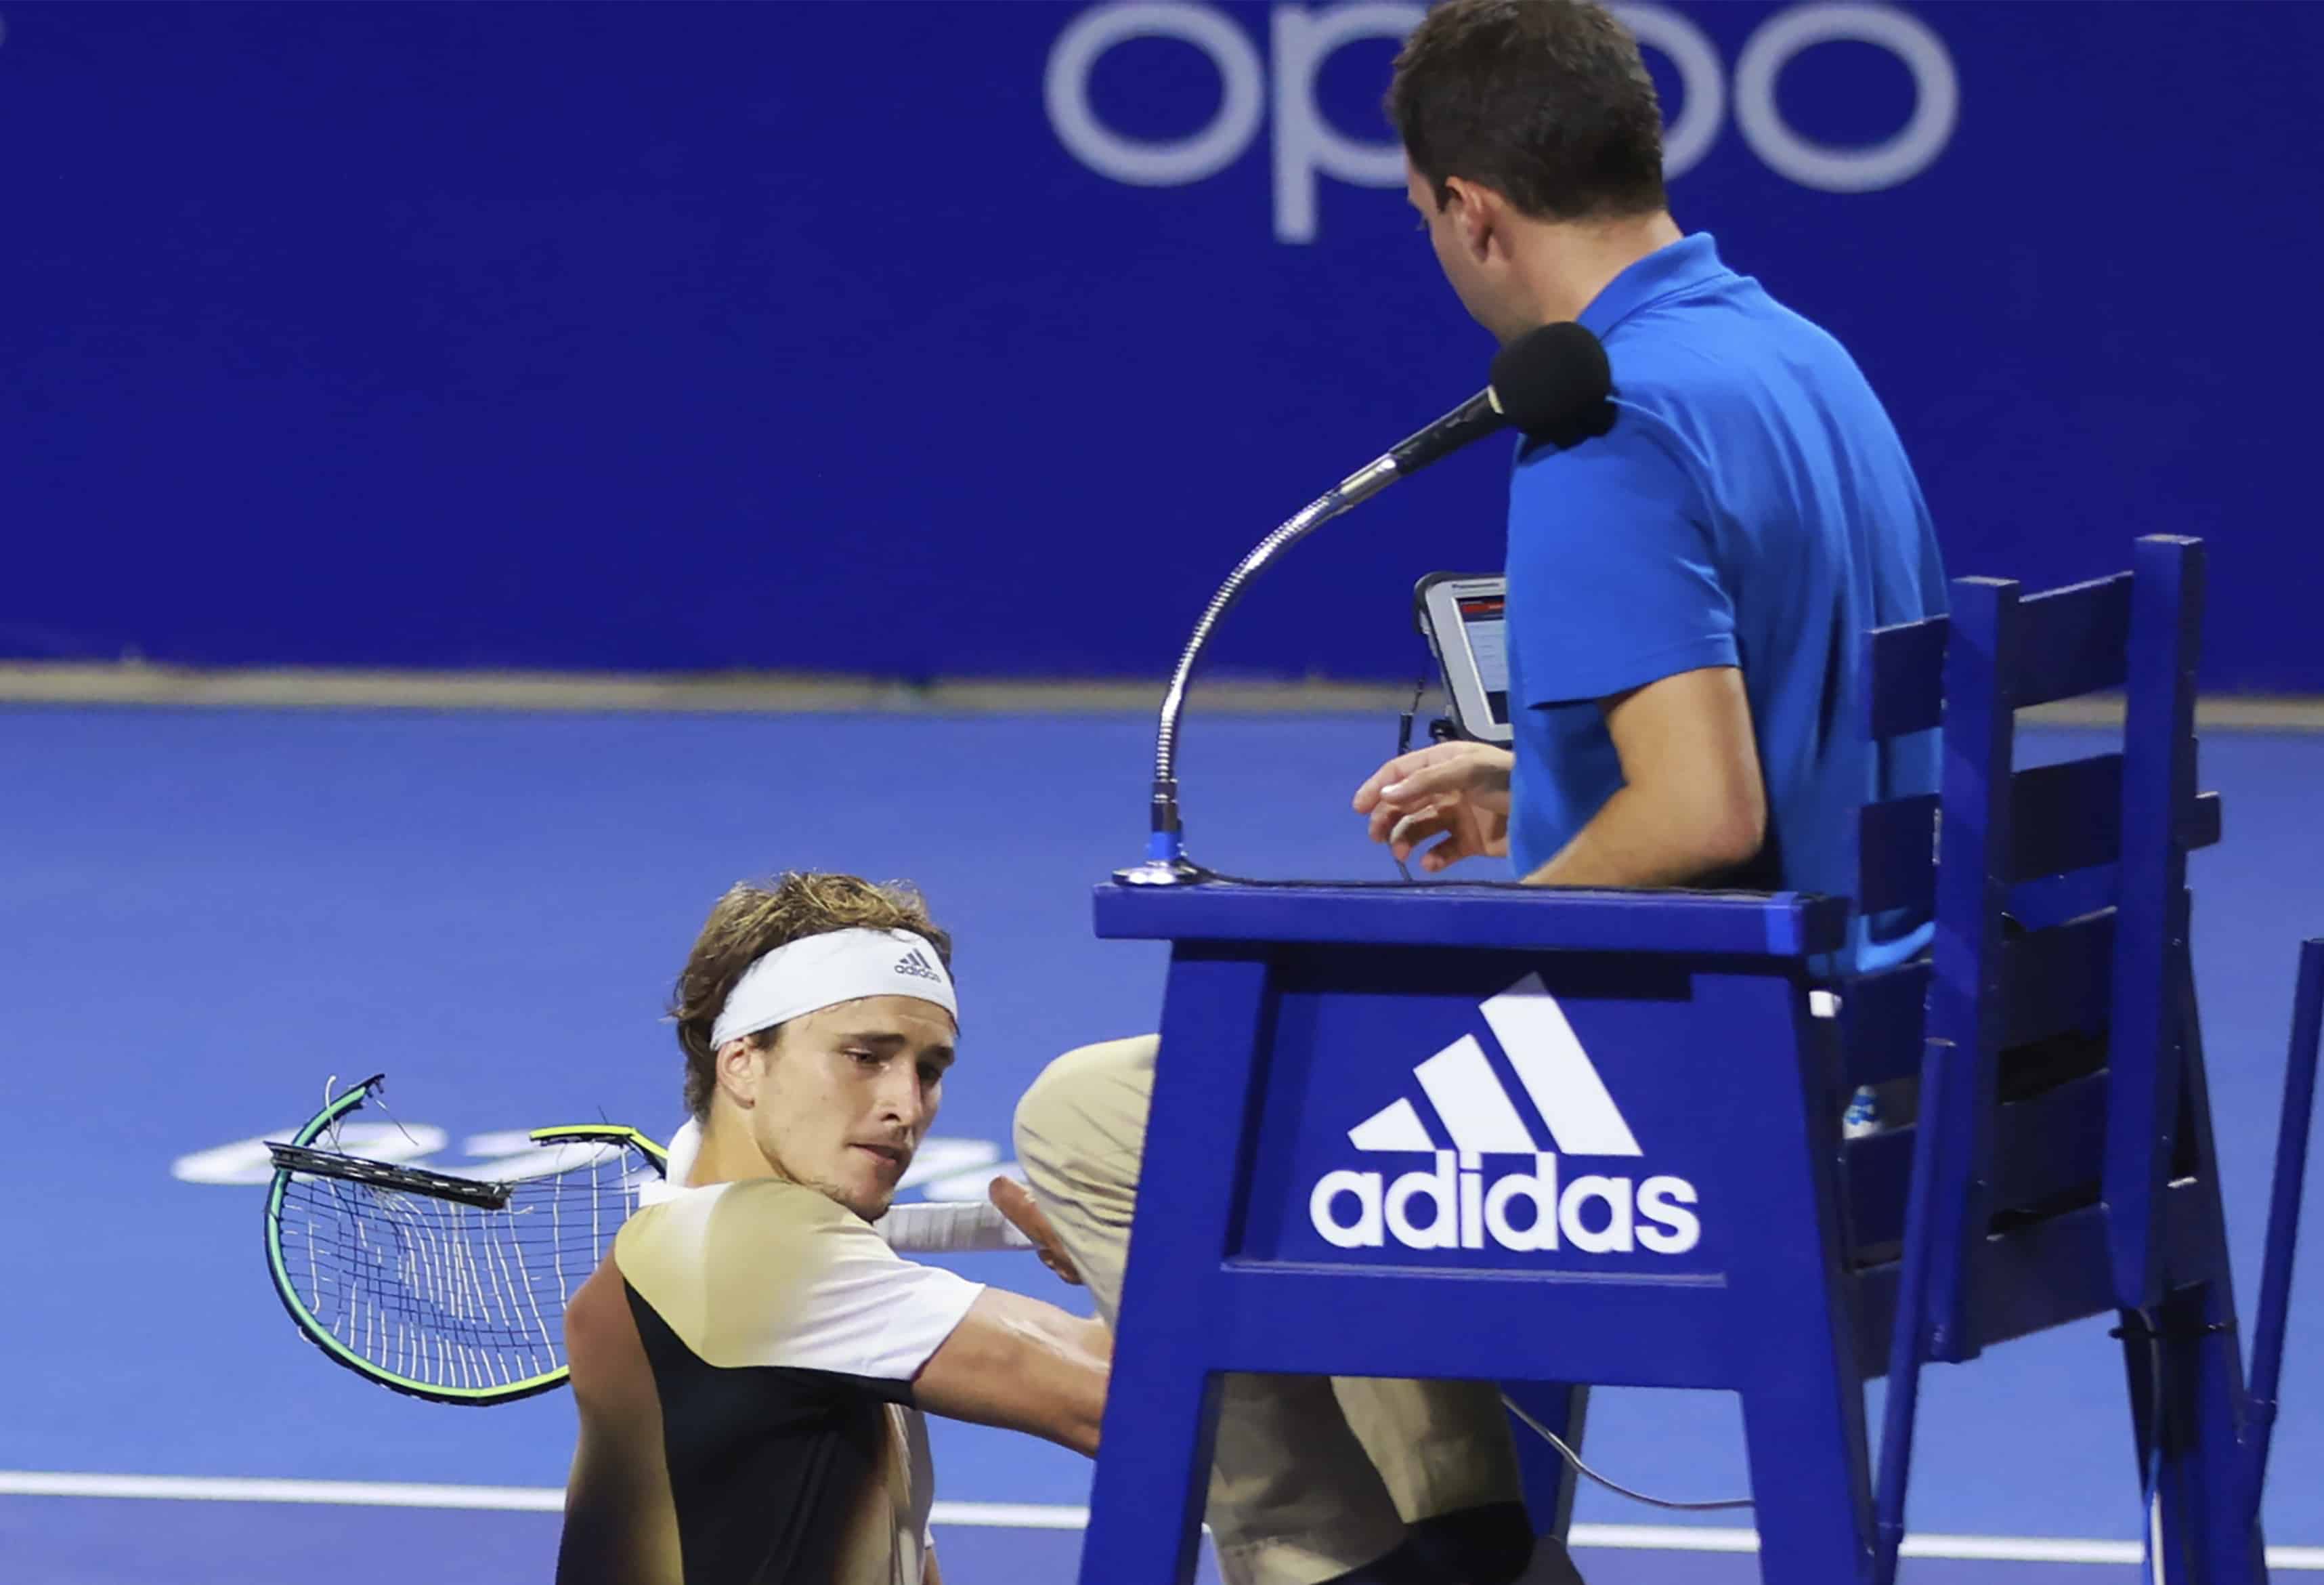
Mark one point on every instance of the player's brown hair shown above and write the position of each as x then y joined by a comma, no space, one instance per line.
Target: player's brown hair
752,920
1548,101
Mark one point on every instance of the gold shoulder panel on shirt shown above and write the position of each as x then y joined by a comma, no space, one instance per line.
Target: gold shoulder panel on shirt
729,1272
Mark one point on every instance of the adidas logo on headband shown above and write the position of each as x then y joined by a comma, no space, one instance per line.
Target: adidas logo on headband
915,964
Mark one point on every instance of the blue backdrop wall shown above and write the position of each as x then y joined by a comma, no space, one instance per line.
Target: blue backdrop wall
981,338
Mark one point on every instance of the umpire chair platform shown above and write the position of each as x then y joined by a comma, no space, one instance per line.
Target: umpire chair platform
1551,1136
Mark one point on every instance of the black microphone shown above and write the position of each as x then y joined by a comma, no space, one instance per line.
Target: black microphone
1551,384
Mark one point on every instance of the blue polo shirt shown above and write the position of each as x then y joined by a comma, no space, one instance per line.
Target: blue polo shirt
1751,507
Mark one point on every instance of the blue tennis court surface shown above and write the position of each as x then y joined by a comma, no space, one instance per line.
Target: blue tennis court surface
210,914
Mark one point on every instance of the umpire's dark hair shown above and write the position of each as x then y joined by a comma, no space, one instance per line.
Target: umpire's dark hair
1546,102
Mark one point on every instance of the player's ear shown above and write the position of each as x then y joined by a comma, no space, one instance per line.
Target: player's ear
1475,211
739,1065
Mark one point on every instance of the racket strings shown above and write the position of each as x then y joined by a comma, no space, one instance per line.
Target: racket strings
448,1294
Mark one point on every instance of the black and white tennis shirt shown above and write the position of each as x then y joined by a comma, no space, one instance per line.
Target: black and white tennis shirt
742,1363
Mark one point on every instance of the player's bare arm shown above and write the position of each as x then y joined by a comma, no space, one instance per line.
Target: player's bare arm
1021,1365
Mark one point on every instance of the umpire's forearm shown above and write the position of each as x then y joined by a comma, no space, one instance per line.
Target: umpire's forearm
1635,839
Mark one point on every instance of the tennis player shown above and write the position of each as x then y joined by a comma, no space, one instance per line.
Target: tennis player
1686,592
752,1361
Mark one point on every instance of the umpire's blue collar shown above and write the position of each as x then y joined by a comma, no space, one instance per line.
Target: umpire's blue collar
1689,262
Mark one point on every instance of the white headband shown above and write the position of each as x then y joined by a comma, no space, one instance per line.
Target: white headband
821,971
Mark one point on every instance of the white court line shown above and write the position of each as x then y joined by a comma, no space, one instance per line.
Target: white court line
1010,1515
548,1499
1991,1549
361,1494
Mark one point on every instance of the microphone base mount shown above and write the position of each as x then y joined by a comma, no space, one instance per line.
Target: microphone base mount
1159,872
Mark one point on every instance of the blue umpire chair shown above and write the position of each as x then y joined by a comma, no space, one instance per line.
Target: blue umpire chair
1354,1189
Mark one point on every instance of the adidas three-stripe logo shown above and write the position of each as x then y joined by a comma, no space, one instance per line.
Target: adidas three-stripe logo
1476,1109
915,964
1523,1205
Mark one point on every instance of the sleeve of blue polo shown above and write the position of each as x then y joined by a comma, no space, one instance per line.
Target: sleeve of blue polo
1612,581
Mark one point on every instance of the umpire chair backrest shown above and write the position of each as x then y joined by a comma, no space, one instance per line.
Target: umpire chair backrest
2059,895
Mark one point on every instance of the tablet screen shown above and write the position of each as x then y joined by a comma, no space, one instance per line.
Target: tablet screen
1482,620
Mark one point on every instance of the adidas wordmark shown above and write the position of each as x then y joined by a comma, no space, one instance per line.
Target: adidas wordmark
1527,1208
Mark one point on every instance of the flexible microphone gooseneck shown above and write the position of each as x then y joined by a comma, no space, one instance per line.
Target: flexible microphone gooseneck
1551,383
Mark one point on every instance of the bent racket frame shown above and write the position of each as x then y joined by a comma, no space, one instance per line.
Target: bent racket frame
430,1254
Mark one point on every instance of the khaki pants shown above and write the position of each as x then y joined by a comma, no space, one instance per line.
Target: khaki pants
1312,1475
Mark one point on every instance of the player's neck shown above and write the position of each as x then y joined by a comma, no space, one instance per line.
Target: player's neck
1565,266
729,1154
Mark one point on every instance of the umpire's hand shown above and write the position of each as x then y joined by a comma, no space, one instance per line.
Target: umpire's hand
1011,1199
1458,791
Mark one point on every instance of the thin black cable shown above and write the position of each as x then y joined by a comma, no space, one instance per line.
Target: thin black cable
1618,1489
1403,748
